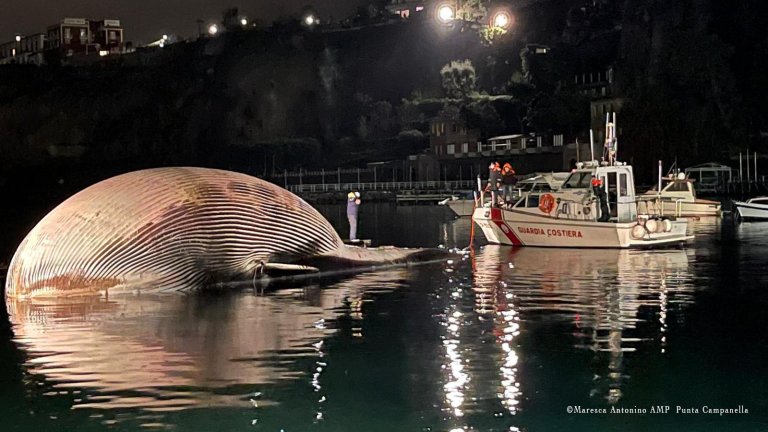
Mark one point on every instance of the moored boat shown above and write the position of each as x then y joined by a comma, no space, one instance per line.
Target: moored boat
755,208
678,198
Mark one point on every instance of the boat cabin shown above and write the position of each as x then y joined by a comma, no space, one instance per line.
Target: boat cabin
576,198
677,188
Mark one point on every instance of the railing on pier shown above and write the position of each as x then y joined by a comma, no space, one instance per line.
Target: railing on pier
450,185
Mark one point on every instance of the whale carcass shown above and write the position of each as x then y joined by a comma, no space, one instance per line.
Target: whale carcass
174,229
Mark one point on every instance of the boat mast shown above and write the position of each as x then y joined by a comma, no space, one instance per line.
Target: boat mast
611,143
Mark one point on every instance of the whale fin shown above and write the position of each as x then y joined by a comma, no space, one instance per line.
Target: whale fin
284,268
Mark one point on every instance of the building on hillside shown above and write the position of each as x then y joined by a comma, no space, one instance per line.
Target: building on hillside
70,35
79,35
23,50
107,35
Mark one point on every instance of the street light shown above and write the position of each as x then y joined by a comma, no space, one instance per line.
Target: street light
213,29
18,38
502,20
445,13
310,20
243,21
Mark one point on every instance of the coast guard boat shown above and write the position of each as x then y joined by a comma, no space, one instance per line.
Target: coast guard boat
571,216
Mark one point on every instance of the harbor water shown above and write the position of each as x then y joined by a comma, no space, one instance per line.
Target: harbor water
497,339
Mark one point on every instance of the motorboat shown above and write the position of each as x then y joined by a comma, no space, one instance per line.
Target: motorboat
678,198
754,208
580,214
533,183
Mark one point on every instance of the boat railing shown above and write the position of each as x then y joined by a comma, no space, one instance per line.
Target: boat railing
654,206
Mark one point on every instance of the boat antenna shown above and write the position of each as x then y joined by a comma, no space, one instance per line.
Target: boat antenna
578,158
591,145
658,191
609,152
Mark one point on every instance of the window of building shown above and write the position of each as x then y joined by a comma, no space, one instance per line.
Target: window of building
465,148
83,34
451,149
67,34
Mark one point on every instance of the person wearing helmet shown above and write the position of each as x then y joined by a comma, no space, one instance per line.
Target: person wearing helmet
509,181
353,202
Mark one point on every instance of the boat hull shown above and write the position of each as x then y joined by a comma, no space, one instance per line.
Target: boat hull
751,211
461,207
520,228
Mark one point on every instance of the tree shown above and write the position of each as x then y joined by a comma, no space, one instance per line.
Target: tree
459,79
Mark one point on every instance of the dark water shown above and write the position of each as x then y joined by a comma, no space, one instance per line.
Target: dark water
501,340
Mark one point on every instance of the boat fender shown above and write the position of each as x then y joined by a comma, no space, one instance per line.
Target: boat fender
667,225
651,225
638,232
660,227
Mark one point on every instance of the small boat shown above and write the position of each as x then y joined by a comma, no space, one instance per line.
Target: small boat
678,198
534,183
755,208
582,215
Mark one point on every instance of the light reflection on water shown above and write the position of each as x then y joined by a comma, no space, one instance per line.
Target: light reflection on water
165,353
487,325
598,294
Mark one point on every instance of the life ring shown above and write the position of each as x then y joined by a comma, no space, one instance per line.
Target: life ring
547,203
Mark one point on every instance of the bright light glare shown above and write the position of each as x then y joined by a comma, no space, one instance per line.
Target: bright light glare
445,13
309,20
213,29
18,38
165,37
103,53
243,22
501,20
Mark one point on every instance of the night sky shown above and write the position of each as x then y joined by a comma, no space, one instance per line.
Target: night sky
147,20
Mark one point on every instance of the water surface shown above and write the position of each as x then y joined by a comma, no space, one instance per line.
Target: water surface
501,339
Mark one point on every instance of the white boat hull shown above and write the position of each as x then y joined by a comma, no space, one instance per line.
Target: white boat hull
520,228
461,207
751,211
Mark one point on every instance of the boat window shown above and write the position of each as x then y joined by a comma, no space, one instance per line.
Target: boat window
533,201
622,185
578,180
759,201
678,187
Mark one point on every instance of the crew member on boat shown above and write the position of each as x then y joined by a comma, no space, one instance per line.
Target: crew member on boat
602,199
494,181
509,181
